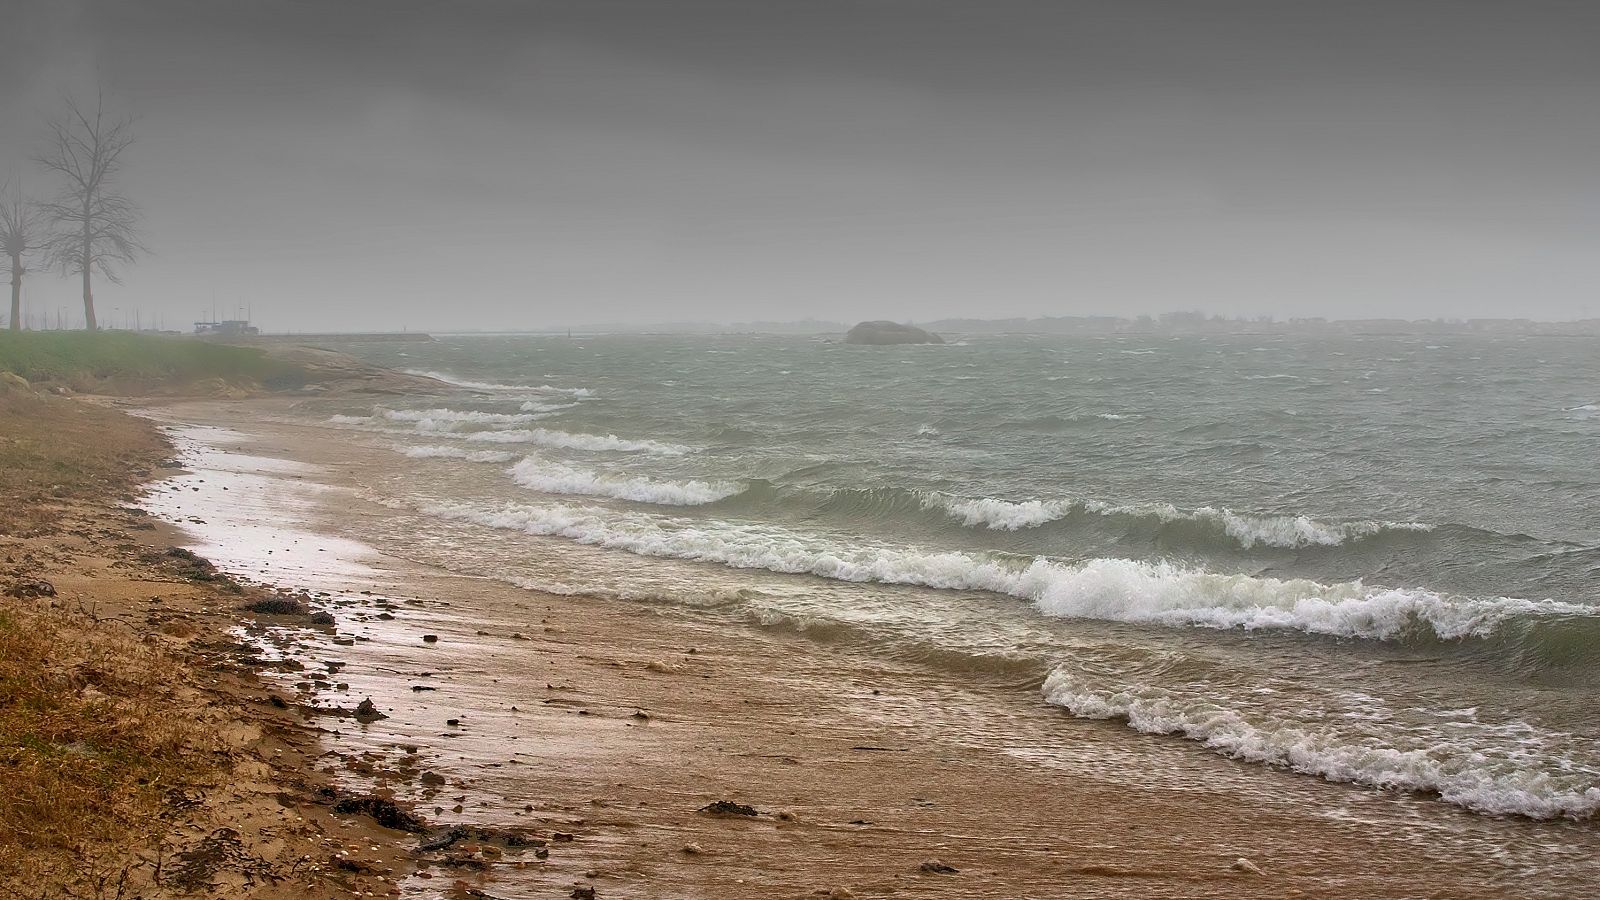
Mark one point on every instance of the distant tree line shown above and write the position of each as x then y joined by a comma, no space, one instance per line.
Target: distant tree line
87,227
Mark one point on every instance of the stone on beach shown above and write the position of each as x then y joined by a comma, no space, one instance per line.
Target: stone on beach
276,606
31,588
383,811
728,808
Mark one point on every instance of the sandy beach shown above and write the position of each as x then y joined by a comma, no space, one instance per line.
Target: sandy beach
715,450
610,732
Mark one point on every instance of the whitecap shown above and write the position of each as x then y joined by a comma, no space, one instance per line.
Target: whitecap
535,406
1248,530
1108,589
491,386
558,478
1000,515
431,452
565,440
453,419
1459,773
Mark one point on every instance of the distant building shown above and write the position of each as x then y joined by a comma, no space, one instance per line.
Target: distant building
226,328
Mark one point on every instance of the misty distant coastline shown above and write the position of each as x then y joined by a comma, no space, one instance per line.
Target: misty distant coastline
1177,323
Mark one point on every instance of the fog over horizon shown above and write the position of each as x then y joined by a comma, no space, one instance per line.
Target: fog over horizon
480,165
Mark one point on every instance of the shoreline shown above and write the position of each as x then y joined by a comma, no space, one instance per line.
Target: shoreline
182,772
627,720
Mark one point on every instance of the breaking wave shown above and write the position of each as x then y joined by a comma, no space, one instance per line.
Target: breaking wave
453,419
1245,529
430,452
534,406
1107,589
566,440
558,478
1001,515
1459,772
491,386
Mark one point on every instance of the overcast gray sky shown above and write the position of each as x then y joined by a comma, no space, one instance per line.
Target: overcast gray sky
379,163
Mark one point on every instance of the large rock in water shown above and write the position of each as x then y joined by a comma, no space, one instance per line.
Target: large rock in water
890,333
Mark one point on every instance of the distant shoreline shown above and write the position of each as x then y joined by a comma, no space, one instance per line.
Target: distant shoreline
1065,326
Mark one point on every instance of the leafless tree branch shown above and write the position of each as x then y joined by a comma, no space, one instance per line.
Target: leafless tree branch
95,228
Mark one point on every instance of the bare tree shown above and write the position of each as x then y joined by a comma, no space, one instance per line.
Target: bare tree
23,229
95,226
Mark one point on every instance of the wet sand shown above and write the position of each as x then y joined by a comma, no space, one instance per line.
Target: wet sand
142,754
601,729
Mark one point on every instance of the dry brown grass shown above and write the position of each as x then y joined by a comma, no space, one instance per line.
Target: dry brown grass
91,736
53,449
93,741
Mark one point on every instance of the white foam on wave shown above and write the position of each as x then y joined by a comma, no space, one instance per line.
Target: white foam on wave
1168,594
1001,515
535,406
1252,529
567,440
1457,771
1247,529
439,452
1109,589
453,419
350,420
559,478
491,386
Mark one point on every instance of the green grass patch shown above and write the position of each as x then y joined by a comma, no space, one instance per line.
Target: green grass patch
121,362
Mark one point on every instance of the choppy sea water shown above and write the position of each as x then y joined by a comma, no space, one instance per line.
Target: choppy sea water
1372,560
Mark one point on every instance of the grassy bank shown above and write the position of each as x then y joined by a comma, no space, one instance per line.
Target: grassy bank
122,362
